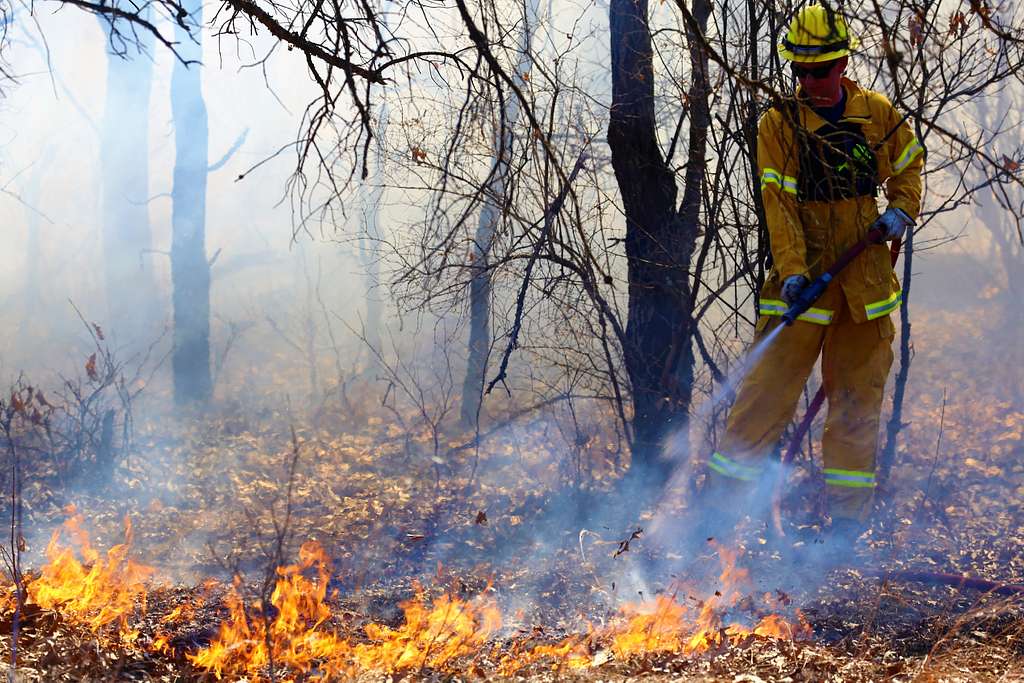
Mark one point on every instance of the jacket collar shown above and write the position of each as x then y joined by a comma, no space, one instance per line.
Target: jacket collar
856,109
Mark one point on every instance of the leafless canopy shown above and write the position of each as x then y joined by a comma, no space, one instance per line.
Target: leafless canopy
435,86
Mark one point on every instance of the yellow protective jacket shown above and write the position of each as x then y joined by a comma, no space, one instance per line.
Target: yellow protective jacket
819,182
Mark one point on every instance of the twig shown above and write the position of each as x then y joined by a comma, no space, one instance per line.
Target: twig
281,537
230,153
12,554
549,220
935,459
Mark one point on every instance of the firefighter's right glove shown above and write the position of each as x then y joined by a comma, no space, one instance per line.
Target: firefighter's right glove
792,286
894,222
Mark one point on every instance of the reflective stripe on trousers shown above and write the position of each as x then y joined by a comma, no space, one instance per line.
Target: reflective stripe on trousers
849,478
730,468
819,316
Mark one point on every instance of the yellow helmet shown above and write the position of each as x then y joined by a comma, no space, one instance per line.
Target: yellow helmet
817,34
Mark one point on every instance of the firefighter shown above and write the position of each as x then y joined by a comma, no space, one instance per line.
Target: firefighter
824,157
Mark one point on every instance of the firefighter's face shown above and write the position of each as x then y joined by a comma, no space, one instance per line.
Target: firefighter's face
821,80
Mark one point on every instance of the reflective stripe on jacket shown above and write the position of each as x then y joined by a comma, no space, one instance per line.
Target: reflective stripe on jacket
808,233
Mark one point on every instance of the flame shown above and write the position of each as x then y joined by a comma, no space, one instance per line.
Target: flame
772,626
98,593
299,636
433,638
664,625
651,627
667,625
162,644
295,632
248,641
184,612
573,652
8,597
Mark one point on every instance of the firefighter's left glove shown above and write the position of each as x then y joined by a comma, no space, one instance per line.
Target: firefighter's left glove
894,222
792,286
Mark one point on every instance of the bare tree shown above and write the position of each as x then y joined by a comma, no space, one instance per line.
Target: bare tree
493,203
190,270
124,159
947,57
660,237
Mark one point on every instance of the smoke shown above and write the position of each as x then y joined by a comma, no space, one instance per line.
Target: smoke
51,205
285,352
684,530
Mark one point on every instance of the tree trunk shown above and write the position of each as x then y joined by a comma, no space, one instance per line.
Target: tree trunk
487,225
124,159
480,306
659,238
190,270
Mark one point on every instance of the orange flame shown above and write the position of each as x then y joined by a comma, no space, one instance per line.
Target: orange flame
666,625
652,627
295,632
247,643
433,638
186,611
98,593
299,638
573,652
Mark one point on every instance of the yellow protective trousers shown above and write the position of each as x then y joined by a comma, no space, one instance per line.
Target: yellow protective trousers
856,358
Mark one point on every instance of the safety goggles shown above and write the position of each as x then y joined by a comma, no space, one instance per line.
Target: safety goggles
821,70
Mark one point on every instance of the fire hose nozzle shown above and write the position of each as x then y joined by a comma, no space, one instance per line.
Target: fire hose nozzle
808,296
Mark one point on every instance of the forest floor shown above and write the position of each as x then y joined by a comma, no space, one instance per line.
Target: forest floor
363,548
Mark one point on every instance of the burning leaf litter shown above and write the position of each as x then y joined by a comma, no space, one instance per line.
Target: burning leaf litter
383,518
103,593
299,632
